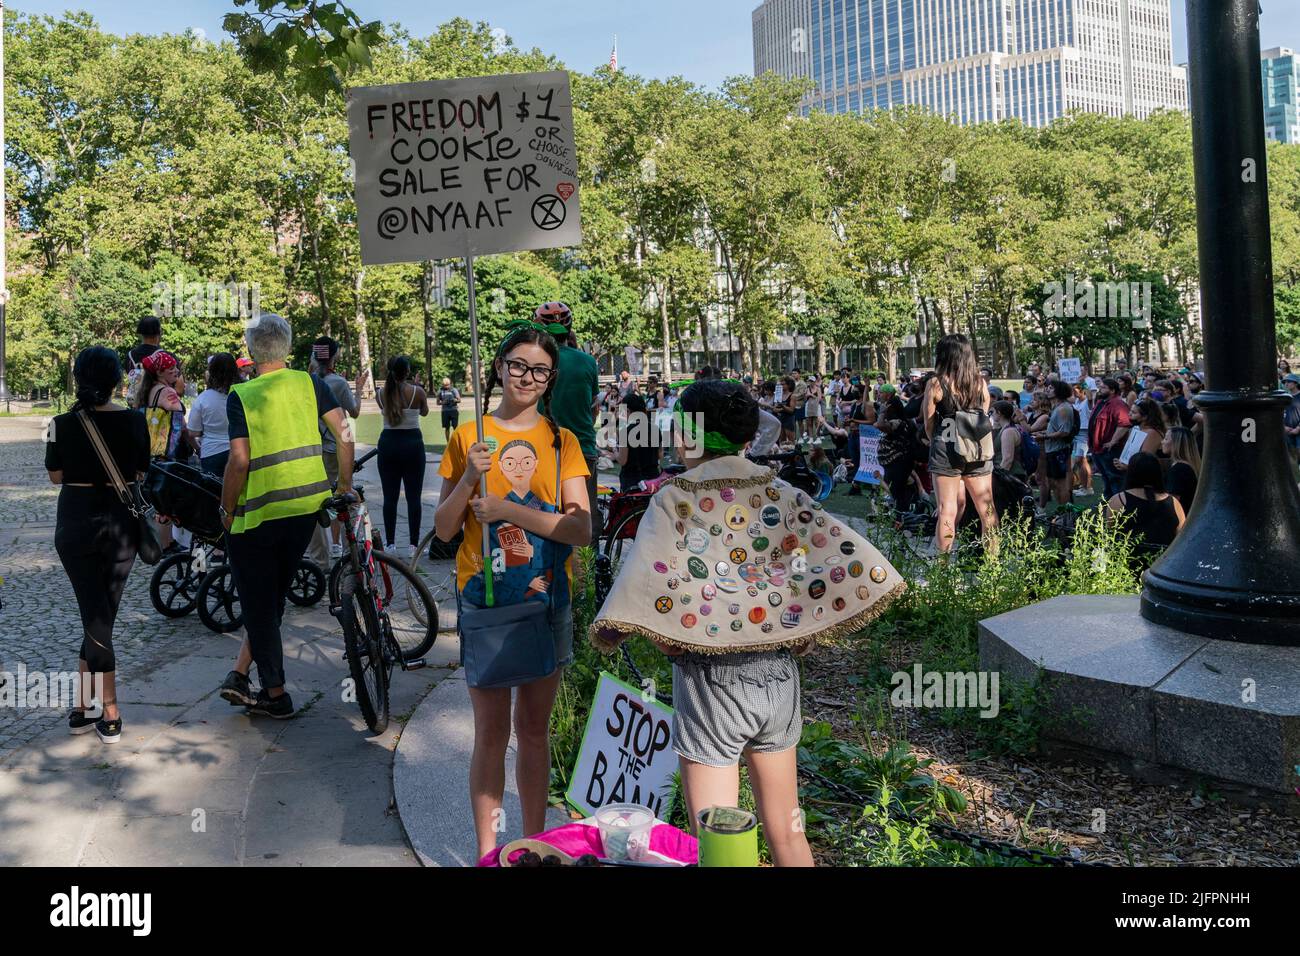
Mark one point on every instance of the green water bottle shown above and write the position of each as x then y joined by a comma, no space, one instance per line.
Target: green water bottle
728,837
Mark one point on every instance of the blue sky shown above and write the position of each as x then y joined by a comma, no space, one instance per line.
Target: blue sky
703,40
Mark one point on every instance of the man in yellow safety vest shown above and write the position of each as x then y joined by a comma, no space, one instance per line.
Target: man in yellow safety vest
273,489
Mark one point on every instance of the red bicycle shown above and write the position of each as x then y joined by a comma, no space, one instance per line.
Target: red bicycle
372,595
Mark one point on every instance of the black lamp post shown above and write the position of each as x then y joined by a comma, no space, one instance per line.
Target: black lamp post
1234,570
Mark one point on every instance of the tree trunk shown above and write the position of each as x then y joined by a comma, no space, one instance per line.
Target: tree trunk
426,289
680,341
320,287
363,338
1013,363
663,327
704,336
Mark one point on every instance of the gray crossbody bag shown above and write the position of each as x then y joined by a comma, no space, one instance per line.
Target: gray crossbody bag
512,645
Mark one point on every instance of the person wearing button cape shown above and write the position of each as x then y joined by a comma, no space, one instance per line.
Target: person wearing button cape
732,573
728,535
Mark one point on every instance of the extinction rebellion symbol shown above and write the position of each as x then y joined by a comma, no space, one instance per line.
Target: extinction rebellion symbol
549,212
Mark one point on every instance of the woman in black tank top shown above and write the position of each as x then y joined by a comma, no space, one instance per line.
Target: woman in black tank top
960,468
1151,514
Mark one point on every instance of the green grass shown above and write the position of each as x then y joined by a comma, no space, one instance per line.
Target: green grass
859,506
370,425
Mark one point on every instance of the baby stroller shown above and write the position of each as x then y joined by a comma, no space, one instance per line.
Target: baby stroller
200,578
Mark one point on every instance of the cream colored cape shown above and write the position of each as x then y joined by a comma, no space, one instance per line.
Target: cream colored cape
730,558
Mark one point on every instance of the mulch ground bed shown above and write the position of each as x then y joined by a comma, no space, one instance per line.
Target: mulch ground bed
1033,800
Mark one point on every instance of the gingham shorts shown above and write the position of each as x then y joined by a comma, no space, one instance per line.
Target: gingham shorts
725,704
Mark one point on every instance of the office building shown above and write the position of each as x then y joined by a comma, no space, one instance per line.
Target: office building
975,60
1281,74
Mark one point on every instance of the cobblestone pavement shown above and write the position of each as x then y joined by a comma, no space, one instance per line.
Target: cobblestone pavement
193,781
39,624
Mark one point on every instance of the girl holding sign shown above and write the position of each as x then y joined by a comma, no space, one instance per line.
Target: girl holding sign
1147,434
531,541
733,573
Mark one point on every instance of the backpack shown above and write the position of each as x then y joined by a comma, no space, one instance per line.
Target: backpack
1029,450
134,373
969,437
1078,422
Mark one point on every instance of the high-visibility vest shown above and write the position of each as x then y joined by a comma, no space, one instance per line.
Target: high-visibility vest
286,476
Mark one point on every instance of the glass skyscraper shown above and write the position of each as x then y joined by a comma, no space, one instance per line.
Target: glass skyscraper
1281,74
975,60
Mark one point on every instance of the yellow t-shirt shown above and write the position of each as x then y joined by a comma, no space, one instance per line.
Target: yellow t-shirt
525,565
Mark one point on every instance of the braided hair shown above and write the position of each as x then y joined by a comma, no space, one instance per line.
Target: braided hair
527,335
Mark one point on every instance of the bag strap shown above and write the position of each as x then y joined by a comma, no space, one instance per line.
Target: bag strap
559,510
106,461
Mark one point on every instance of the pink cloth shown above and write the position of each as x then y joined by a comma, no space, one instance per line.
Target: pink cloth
577,839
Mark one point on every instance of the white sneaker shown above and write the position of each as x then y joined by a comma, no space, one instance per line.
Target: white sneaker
336,551
408,552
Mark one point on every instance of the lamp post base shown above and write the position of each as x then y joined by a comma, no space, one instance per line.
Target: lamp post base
1233,572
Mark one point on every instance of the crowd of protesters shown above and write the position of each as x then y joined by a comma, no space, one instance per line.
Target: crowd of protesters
1132,438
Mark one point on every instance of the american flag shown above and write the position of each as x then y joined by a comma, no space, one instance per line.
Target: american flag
613,55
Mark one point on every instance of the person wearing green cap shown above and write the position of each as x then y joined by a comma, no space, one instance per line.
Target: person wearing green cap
575,399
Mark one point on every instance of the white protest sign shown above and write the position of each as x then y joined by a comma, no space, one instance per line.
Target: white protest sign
1134,445
633,356
870,470
471,166
625,755
1071,369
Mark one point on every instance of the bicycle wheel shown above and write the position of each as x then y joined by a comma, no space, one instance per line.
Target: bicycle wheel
308,584
409,606
612,543
174,588
363,646
439,576
218,602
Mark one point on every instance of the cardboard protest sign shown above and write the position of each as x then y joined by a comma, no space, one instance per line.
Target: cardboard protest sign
1134,445
464,167
1071,369
869,468
625,755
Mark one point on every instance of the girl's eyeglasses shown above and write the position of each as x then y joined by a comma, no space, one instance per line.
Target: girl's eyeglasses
521,370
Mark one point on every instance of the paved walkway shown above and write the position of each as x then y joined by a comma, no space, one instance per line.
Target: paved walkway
430,779
193,781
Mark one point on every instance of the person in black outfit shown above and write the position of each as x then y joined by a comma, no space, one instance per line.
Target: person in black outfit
960,465
897,449
95,534
640,462
1184,470
1154,516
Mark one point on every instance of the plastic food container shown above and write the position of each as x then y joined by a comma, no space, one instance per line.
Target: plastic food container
625,831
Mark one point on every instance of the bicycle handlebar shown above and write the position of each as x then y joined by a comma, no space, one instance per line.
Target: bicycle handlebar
344,501
361,462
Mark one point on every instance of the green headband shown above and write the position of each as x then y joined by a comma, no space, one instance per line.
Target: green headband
713,441
515,325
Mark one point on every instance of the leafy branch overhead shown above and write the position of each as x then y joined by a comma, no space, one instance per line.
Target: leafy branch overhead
323,43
